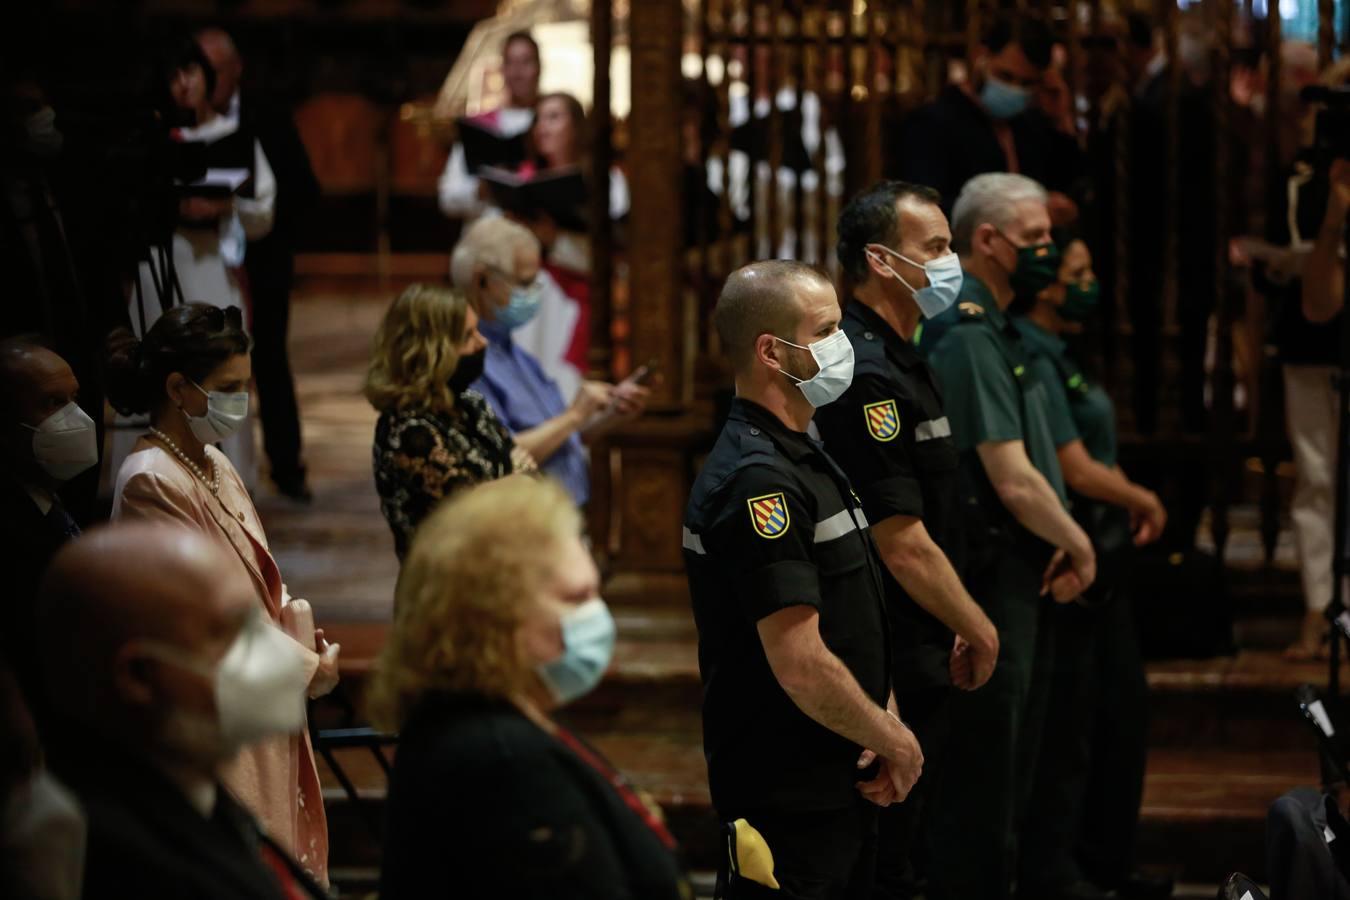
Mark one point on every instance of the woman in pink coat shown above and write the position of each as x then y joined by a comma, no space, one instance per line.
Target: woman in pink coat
191,374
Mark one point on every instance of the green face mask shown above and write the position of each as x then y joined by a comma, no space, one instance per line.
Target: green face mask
1037,268
1080,302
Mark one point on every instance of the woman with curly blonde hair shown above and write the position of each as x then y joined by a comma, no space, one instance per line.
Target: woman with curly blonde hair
497,623
434,435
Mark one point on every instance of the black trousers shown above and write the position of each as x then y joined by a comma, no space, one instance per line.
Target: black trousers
1083,811
926,713
825,855
270,263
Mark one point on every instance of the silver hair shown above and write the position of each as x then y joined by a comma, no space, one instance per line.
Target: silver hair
492,242
992,197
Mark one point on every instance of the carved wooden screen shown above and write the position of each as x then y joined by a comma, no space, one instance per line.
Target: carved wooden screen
790,106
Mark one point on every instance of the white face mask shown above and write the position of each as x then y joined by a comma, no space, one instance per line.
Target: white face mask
259,684
944,281
588,646
834,356
44,831
65,443
225,413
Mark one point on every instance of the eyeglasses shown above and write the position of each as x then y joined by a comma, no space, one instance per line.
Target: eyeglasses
527,284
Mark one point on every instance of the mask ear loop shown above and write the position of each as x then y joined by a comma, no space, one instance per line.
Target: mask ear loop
891,269
785,371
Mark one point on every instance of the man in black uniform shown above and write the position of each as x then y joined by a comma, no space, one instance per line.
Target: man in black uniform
800,739
892,438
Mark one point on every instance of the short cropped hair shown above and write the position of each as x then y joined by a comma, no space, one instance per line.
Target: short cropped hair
871,217
992,198
491,241
476,565
1028,31
13,352
757,299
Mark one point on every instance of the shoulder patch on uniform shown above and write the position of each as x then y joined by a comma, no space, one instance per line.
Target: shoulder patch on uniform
969,308
883,420
769,515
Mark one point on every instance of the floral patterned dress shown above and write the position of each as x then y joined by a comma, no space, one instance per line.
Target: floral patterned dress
422,456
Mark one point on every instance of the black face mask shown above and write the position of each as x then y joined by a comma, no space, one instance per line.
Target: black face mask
468,370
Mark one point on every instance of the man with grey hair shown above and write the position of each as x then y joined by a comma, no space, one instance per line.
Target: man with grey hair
1023,542
800,730
496,263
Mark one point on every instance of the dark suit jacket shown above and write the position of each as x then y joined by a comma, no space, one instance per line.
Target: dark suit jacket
482,803
297,186
146,840
951,140
30,539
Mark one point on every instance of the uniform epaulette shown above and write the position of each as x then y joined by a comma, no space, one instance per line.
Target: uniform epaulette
970,310
756,448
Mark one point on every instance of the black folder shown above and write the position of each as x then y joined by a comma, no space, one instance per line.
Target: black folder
486,146
560,194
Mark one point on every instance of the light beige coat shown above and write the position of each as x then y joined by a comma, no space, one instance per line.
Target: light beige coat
275,779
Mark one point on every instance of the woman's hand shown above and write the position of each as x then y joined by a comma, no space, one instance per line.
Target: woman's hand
327,675
203,209
1148,521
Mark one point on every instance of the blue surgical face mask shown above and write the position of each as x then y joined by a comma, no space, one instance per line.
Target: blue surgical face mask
521,308
588,634
1003,100
834,361
944,281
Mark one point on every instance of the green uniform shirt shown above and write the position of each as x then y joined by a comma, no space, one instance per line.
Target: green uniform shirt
1080,409
990,390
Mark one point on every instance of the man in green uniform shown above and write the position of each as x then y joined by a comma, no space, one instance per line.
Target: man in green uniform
1023,543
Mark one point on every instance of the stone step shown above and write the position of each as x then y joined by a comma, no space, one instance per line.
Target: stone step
1203,813
1225,741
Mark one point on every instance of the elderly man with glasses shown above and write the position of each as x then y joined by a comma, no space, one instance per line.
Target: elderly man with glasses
497,265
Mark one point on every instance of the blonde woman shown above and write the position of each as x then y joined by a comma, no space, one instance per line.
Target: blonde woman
434,435
498,623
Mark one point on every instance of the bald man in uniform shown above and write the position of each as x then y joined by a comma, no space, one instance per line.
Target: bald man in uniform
151,645
788,599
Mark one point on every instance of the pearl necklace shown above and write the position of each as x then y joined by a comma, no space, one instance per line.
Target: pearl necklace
212,483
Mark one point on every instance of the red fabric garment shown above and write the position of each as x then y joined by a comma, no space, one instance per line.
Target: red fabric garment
620,784
576,285
290,888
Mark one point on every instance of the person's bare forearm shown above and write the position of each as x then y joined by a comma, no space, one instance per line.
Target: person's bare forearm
544,440
1036,506
1324,270
926,574
822,687
1098,482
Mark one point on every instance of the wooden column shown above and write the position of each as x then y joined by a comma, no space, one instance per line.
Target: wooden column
602,156
644,470
654,232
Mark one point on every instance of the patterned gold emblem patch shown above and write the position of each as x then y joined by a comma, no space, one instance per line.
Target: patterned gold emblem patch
883,420
769,514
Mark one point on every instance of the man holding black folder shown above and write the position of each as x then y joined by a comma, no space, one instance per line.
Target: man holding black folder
494,138
270,260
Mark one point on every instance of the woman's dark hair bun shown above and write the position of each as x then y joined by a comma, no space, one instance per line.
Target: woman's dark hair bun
193,339
127,384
